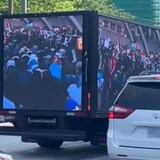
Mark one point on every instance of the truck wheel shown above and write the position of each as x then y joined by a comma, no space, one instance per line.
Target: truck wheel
48,143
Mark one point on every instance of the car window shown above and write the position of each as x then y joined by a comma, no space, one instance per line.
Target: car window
141,95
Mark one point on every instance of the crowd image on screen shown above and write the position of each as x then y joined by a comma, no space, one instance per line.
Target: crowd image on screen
43,63
121,57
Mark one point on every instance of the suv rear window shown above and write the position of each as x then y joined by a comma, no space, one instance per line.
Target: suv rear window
141,95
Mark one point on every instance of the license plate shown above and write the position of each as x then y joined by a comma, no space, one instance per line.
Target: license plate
154,133
52,121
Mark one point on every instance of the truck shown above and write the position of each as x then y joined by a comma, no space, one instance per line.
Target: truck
61,72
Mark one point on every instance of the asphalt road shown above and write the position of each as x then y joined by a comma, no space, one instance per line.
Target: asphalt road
69,150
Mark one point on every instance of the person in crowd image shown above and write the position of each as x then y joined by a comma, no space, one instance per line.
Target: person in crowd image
119,58
10,78
42,65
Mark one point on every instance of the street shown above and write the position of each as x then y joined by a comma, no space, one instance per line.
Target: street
69,150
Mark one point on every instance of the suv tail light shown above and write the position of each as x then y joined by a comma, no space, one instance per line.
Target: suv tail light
119,112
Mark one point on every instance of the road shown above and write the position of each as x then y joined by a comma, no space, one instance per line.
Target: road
69,150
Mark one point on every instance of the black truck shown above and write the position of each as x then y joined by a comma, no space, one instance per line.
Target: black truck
60,72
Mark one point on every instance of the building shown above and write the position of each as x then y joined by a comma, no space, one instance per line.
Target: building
147,11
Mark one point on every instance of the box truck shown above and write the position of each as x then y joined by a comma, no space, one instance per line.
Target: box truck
60,72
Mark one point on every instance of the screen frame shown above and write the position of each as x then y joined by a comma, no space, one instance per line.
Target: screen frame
103,113
85,16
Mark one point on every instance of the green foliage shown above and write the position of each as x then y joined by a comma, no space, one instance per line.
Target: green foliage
38,6
16,3
17,6
3,5
105,6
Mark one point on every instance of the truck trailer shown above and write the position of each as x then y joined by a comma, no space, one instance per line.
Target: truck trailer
61,72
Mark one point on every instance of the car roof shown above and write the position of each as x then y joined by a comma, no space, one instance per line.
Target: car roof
144,78
149,72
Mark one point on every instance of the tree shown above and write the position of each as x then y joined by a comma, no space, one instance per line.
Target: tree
50,5
3,5
38,6
104,6
17,5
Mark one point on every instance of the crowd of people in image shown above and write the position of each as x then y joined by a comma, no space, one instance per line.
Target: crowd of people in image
42,67
117,63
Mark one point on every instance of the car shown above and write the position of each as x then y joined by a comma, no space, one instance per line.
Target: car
134,120
4,156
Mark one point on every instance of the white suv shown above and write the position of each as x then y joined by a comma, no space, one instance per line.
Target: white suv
134,120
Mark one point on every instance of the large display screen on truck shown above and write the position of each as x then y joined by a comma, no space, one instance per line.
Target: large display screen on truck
43,62
125,49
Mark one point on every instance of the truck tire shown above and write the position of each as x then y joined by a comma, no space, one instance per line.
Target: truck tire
48,143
